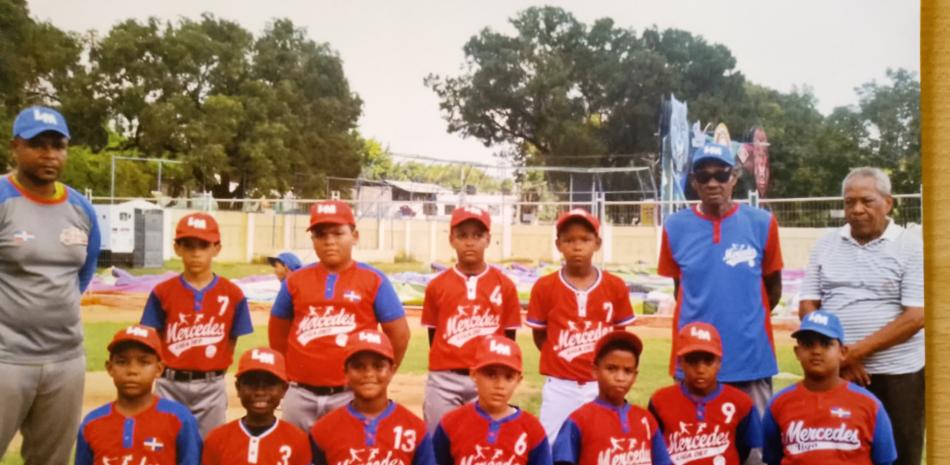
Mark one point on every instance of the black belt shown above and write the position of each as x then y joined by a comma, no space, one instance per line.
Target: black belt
322,390
188,375
460,371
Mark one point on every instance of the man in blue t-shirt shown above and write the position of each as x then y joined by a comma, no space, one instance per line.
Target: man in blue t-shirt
726,263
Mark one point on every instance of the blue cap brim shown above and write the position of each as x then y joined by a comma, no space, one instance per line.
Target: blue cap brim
827,332
33,132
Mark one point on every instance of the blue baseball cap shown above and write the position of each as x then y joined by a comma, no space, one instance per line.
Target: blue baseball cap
713,151
35,120
822,322
289,259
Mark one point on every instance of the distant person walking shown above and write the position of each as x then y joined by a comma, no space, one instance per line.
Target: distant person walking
870,273
49,242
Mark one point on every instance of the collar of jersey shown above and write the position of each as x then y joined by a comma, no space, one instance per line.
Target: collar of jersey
214,281
699,213
262,435
151,406
476,277
59,195
319,266
700,400
560,274
622,410
371,422
484,414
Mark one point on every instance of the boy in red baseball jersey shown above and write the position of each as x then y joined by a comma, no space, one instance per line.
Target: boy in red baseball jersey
609,430
489,431
199,316
704,421
825,419
138,427
568,312
259,437
320,305
372,429
462,304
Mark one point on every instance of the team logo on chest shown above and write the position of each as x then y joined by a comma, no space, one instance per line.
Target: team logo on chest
469,322
323,321
694,441
625,451
579,338
799,439
127,459
371,456
196,331
487,455
740,253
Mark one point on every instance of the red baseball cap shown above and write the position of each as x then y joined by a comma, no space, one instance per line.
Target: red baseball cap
331,212
142,334
369,340
461,214
497,350
263,359
619,335
581,214
200,226
698,337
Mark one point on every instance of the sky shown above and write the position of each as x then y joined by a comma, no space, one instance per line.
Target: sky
389,46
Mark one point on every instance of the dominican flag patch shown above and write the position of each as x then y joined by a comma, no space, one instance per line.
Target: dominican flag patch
153,444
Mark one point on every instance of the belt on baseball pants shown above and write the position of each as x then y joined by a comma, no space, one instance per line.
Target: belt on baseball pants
188,375
459,371
322,390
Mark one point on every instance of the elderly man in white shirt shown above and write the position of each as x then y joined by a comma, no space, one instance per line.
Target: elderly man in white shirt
870,273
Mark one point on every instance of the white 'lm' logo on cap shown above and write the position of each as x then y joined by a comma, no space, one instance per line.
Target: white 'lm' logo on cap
578,211
473,210
197,223
700,334
263,357
820,319
372,338
499,348
326,209
136,331
40,115
712,150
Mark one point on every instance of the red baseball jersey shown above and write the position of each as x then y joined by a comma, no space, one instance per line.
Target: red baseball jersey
198,326
232,444
462,309
325,308
575,319
163,434
469,436
844,426
395,437
599,433
719,429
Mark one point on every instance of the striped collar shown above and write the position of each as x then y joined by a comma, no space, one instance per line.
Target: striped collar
891,233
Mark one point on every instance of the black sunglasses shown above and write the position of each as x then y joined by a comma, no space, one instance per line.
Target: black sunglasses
703,177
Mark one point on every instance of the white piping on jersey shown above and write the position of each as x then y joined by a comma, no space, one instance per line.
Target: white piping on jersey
581,294
254,442
471,282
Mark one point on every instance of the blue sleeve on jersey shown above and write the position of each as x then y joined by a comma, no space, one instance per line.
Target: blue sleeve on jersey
154,314
541,454
319,458
84,455
188,441
387,305
567,446
658,452
424,454
883,450
283,305
92,248
442,447
749,434
772,450
242,320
